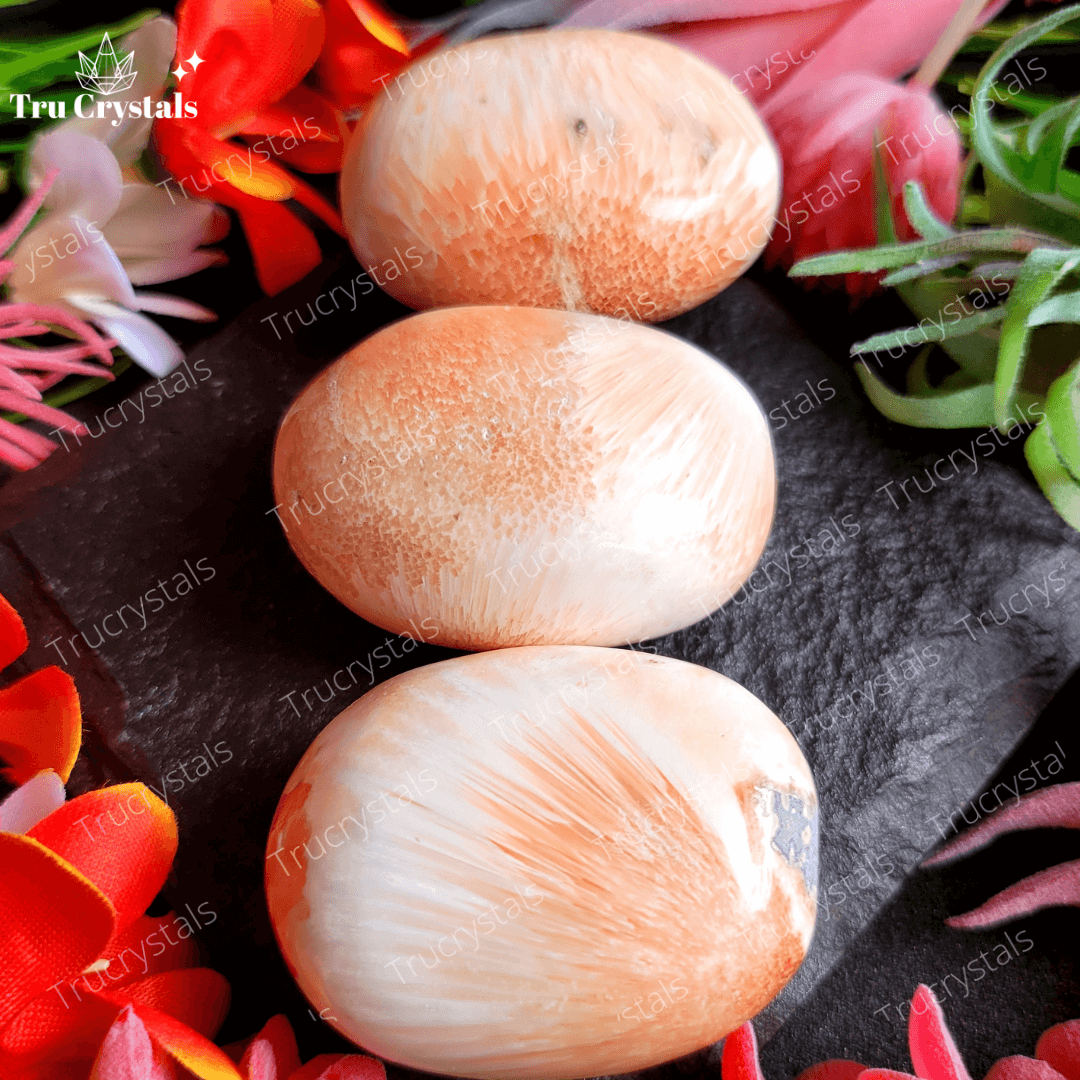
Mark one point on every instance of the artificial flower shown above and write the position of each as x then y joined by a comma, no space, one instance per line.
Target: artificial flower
241,63
25,372
1056,807
363,49
114,230
781,49
272,1055
820,74
40,718
934,1054
75,955
827,138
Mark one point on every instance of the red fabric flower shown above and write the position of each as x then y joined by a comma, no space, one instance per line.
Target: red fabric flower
77,948
40,717
240,63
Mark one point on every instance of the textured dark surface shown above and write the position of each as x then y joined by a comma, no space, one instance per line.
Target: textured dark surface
103,524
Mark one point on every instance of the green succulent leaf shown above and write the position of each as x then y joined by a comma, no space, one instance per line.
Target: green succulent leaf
1065,307
1053,477
926,223
894,338
1037,176
866,260
973,407
1063,419
1042,271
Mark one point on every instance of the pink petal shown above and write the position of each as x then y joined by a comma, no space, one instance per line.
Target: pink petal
272,1054
38,411
26,440
881,37
761,55
1022,1068
634,14
32,801
1057,886
837,1069
1056,807
354,1067
155,271
933,1052
177,307
89,184
740,1057
1059,1046
128,1054
13,455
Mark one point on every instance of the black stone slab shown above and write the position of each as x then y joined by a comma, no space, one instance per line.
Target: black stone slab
186,490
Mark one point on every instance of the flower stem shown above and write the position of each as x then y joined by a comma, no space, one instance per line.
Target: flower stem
956,33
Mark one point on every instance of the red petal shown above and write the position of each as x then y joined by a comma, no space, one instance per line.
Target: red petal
837,1069
316,1067
740,1057
354,1067
272,1054
1060,885
283,248
1056,807
1059,1046
886,1074
149,946
255,51
933,1052
1022,1068
13,639
40,725
128,1054
123,838
196,998
193,1050
55,923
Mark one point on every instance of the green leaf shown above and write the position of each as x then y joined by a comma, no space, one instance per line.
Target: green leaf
1065,307
1042,271
897,255
995,155
973,407
1063,418
922,269
886,230
1054,479
31,54
935,332
925,222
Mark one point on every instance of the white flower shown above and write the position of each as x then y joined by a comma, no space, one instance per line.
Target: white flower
105,229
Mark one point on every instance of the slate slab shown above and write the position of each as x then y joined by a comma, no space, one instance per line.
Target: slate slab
853,630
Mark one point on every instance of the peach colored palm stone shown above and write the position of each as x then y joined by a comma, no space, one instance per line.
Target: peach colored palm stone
493,476
590,170
545,862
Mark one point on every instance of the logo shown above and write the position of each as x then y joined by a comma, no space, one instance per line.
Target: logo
107,74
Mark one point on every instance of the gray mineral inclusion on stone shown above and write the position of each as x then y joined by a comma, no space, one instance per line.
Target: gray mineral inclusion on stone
796,837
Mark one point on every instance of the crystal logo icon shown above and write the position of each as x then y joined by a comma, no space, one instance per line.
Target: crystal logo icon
106,73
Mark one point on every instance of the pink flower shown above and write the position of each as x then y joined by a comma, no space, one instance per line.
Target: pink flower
934,1054
1055,807
26,372
827,138
821,75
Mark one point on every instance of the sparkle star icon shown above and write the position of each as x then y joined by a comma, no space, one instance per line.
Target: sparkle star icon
195,60
180,72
